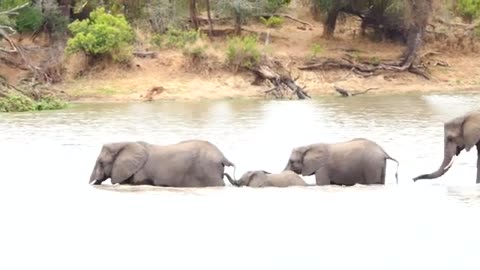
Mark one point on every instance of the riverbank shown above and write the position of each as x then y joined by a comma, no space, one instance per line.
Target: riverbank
173,81
177,78
173,76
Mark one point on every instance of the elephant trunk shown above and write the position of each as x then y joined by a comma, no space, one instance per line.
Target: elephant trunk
450,152
94,176
287,168
232,181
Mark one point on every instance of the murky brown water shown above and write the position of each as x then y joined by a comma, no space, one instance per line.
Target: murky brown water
50,217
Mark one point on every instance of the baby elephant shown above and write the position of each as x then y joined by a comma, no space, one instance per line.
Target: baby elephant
265,179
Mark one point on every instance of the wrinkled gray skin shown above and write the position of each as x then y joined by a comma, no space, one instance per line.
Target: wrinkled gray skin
460,133
191,163
358,161
265,179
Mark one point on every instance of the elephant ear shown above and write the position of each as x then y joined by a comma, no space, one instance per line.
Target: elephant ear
471,131
314,158
129,160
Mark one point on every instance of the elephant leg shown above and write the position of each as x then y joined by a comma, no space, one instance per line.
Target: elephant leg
375,174
322,178
478,163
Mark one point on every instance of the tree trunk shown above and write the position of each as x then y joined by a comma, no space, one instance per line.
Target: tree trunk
238,23
420,15
330,23
193,13
210,25
64,6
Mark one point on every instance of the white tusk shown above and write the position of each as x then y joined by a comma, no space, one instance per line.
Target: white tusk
450,164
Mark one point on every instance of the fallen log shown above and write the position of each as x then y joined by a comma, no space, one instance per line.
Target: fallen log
345,93
145,54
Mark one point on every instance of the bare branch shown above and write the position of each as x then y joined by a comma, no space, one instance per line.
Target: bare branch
4,35
14,10
289,17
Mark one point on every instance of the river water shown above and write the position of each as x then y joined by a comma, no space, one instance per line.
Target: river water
50,218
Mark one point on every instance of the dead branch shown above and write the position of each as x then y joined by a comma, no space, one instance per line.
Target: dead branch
305,23
14,10
145,54
5,36
453,24
364,68
345,93
281,79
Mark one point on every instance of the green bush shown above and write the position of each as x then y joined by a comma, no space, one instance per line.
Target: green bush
21,103
29,20
242,52
195,52
174,38
316,50
16,103
50,103
469,9
272,22
101,35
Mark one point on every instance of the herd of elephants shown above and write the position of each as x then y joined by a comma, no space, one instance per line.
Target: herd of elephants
198,163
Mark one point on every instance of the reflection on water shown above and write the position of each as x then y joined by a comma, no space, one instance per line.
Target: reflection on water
52,217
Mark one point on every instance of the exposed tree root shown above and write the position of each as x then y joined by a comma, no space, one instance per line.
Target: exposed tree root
282,81
367,69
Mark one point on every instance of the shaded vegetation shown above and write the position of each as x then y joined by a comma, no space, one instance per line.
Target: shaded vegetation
175,38
20,103
243,52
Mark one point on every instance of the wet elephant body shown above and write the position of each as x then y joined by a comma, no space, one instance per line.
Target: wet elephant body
260,178
357,161
191,163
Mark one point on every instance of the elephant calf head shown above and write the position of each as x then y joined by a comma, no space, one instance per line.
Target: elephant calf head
118,161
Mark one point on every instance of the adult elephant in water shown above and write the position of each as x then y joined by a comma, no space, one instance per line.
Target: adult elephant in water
346,163
462,132
191,163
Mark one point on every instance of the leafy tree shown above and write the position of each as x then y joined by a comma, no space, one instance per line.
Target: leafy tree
274,5
387,13
102,34
29,20
240,10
